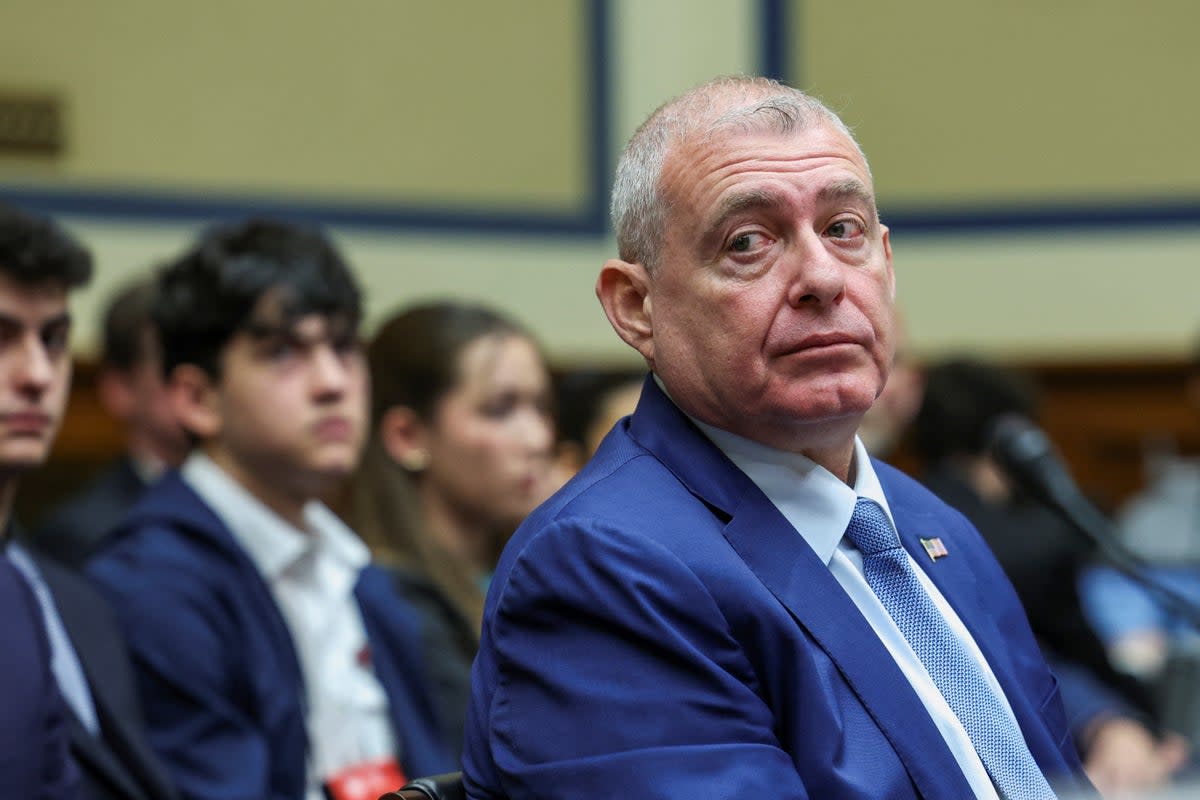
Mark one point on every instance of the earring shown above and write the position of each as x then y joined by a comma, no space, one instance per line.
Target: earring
415,460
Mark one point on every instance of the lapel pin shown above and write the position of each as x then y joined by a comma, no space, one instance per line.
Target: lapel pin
934,548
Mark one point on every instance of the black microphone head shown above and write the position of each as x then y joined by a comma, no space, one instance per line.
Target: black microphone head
1015,442
1028,458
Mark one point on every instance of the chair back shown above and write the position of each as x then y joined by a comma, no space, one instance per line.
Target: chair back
438,787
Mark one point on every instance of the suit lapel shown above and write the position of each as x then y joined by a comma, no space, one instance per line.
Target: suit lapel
97,760
95,752
782,560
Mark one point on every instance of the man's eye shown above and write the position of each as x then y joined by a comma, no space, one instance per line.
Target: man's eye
345,345
280,351
845,228
56,340
745,242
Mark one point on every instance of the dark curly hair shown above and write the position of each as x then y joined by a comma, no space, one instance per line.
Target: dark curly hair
212,292
36,250
963,399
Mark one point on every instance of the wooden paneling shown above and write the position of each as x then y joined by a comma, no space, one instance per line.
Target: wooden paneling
1107,418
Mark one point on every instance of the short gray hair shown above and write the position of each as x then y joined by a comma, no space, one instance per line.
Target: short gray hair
639,208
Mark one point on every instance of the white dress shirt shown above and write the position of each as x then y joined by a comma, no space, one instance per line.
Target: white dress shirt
819,507
312,574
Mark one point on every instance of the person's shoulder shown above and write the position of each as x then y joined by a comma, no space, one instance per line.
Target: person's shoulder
62,577
624,514
623,482
169,541
1174,491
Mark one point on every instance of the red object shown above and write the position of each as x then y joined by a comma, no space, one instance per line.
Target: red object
366,781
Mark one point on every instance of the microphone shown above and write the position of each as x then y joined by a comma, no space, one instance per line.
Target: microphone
1027,457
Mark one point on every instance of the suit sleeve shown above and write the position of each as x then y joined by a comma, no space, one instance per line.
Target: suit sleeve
183,659
615,670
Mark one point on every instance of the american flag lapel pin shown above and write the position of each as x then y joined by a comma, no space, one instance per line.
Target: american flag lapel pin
934,548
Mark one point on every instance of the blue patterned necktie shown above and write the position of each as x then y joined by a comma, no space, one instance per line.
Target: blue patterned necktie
957,675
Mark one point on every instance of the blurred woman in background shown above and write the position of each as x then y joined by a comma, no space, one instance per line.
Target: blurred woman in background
460,453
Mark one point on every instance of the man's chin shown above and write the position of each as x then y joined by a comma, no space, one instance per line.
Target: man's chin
16,460
329,473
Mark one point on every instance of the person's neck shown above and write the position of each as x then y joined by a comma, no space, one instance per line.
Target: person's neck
986,478
464,539
828,442
8,496
148,449
285,502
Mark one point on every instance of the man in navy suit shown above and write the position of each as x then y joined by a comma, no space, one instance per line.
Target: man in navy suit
38,264
34,755
690,616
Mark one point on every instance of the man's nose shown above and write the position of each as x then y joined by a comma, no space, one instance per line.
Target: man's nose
536,430
817,276
330,370
37,365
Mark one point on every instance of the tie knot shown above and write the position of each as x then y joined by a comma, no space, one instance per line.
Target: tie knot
870,529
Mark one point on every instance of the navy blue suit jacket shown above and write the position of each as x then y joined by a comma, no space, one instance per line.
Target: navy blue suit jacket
659,630
117,764
215,663
34,754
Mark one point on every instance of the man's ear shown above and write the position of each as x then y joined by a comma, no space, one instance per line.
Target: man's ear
887,257
624,291
192,394
403,436
115,391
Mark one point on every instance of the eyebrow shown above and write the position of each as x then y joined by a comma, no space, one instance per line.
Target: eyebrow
16,322
264,331
739,203
850,189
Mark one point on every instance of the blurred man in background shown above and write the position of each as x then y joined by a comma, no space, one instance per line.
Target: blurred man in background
131,389
39,264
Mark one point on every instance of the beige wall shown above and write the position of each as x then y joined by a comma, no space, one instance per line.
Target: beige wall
1014,101
948,113
376,99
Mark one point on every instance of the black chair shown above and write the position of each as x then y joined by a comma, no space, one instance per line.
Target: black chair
438,787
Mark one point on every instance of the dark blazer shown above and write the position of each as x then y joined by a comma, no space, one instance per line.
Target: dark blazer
118,764
216,667
34,754
660,630
77,528
449,645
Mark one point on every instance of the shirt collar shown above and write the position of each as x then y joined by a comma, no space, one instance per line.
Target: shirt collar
273,543
817,504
